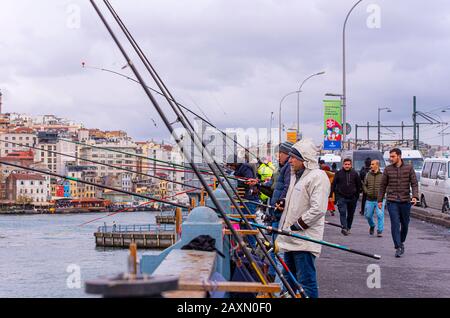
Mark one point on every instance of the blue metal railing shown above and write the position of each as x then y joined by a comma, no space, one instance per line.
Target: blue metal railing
136,228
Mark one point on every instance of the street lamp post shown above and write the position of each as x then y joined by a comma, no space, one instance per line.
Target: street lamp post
379,123
279,115
344,93
298,99
269,150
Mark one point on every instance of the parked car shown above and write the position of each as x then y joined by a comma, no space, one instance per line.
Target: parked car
435,184
359,157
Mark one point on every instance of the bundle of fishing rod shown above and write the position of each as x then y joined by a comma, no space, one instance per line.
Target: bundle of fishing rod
250,258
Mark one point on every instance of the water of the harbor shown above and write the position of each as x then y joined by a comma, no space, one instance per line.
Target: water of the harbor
39,253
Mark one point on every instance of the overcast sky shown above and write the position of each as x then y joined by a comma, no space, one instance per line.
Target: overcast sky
233,59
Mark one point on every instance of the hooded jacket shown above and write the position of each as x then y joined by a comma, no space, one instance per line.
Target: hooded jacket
306,203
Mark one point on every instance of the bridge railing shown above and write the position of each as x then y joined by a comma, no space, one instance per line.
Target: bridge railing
135,228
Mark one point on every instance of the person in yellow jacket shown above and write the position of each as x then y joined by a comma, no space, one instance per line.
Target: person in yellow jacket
265,172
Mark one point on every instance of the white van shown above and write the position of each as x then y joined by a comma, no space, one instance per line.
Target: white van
435,184
330,159
409,157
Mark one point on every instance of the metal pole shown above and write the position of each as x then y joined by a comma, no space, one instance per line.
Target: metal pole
379,110
368,133
298,100
344,92
269,150
415,142
279,116
418,136
402,132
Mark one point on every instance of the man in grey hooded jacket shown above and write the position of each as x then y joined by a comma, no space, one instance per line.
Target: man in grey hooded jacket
304,214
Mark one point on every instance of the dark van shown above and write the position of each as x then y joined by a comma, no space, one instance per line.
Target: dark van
359,157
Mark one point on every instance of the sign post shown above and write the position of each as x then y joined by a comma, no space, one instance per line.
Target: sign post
332,125
291,136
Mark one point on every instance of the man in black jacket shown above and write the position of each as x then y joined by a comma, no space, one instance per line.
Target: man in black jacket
362,175
346,187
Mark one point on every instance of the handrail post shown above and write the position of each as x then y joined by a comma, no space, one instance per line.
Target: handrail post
178,221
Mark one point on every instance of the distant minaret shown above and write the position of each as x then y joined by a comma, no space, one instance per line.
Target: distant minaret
1,102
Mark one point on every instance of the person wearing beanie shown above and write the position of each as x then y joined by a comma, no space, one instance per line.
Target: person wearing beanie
280,185
304,214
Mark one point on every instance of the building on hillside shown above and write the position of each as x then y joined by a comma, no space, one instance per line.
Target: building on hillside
50,141
16,139
125,159
28,188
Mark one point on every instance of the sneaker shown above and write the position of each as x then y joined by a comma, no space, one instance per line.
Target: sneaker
379,234
371,230
398,252
402,249
348,232
344,232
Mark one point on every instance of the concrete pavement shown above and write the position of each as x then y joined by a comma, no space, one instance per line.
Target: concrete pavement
423,271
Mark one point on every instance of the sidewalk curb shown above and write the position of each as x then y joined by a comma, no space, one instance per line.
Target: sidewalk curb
431,217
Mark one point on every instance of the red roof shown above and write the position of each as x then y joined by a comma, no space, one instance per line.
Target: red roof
22,130
26,176
19,155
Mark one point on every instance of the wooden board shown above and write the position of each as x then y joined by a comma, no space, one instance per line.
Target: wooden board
190,266
242,232
247,216
236,287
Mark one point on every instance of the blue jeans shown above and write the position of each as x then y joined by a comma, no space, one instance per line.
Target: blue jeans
399,213
346,209
372,206
302,265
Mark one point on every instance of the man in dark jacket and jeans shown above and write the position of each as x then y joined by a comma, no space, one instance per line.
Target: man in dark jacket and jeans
362,175
346,187
398,180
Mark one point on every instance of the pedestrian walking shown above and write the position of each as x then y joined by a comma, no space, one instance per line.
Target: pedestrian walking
362,175
399,179
304,213
346,188
371,188
330,175
334,168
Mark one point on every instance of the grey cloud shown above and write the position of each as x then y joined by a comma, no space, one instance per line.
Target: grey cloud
243,55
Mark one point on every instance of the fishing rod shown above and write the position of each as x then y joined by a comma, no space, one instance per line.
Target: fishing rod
275,208
142,204
121,152
286,268
182,118
101,163
170,127
306,238
206,121
168,163
94,184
